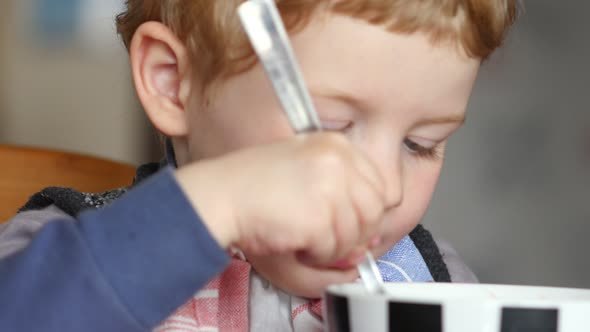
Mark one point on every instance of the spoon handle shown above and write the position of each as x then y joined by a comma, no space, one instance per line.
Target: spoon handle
370,275
264,27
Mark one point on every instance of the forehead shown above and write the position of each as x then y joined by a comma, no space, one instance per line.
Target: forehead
379,66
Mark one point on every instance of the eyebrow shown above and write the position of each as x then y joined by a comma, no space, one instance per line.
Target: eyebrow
358,103
460,119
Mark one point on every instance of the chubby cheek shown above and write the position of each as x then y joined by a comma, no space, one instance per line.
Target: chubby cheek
243,113
400,221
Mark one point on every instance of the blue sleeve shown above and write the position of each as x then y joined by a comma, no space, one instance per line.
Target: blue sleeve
126,267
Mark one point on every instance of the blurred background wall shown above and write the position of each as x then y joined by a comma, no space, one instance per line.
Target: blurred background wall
514,195
66,82
514,198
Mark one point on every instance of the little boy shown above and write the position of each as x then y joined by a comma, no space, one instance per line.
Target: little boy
390,80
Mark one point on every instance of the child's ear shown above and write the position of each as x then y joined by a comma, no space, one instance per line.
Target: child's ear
161,72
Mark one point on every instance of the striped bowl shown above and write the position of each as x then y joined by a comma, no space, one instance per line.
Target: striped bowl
438,307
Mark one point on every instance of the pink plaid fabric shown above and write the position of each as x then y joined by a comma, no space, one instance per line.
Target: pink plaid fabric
223,305
313,307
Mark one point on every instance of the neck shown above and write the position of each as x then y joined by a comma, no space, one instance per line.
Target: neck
180,151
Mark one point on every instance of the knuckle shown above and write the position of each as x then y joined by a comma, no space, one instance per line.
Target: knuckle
332,161
333,169
327,151
371,216
374,218
327,169
329,141
374,214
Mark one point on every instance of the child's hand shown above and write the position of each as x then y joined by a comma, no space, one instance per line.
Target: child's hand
315,195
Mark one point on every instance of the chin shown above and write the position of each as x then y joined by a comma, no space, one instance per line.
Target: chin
314,291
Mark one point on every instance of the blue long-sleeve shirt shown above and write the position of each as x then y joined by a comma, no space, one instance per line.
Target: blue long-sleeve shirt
125,267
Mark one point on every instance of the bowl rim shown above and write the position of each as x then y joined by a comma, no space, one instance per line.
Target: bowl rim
484,292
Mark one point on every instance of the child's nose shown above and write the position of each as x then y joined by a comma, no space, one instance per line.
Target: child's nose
390,167
394,192
388,160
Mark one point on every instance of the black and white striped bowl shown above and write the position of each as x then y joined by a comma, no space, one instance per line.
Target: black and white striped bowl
438,307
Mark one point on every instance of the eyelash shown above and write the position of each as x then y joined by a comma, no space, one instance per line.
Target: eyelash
340,130
414,148
420,151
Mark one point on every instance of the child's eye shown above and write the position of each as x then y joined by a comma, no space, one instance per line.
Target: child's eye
421,151
333,125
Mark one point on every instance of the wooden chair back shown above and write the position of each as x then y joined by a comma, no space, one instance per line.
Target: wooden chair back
25,171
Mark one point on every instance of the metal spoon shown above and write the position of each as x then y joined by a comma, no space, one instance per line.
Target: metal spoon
264,27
